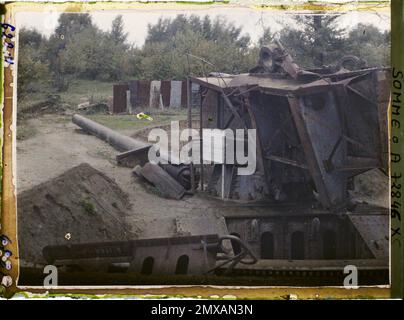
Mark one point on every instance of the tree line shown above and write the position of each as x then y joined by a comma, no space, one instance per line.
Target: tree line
79,49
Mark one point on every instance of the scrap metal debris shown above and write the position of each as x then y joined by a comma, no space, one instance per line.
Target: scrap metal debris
165,184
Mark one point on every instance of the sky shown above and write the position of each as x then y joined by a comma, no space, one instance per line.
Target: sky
252,21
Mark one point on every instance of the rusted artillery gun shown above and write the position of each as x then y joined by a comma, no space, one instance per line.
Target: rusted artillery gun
135,153
316,128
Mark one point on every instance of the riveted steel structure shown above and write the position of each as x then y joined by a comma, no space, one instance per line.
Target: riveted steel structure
316,129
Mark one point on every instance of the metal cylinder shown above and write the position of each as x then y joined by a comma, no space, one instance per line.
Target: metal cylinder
115,139
179,171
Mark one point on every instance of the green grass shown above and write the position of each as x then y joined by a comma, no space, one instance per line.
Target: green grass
88,206
96,91
126,122
77,92
81,90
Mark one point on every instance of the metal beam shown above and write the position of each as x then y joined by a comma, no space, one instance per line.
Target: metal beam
308,148
286,161
189,107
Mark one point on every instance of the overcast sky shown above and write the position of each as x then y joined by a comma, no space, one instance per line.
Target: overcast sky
251,20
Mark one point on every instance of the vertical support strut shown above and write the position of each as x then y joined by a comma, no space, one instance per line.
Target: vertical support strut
201,138
308,150
189,106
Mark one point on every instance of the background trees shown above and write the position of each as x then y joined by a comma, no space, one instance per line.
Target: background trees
33,67
369,43
78,49
316,40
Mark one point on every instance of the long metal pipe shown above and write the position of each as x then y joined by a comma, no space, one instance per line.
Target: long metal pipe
115,139
182,173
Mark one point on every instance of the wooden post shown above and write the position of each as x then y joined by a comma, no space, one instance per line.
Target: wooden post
223,164
189,106
201,139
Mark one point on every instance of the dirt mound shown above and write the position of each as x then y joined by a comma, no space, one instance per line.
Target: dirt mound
81,205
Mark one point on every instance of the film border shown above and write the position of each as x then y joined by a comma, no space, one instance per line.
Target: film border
396,167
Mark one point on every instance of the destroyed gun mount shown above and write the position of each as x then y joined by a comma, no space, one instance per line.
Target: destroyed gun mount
135,153
275,59
315,130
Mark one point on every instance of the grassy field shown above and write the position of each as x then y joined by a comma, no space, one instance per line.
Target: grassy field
126,122
77,92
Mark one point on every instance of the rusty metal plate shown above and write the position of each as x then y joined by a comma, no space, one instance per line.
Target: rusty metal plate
155,93
184,94
374,230
144,93
119,102
133,88
319,129
200,226
175,94
165,90
195,95
203,225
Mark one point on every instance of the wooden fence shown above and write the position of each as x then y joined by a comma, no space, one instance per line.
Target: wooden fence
152,94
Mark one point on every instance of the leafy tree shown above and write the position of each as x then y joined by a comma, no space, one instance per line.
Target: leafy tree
69,25
369,43
32,64
168,59
219,30
31,38
266,38
170,40
316,41
79,49
117,35
90,55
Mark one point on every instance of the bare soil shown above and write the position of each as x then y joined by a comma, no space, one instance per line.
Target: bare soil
69,209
